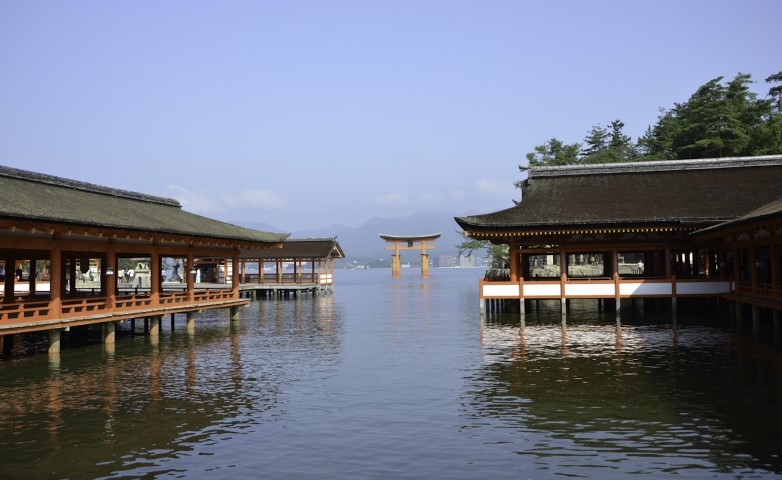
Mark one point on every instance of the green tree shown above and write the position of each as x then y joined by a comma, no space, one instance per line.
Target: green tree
657,143
596,145
775,93
498,253
768,137
621,146
554,152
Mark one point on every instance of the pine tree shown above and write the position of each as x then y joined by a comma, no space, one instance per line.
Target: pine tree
596,145
621,146
554,152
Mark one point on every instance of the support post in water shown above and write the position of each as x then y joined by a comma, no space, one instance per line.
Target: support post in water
54,340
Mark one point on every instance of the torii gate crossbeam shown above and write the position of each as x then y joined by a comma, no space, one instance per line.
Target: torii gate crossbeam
408,242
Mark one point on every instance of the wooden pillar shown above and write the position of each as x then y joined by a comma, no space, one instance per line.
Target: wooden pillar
110,281
31,277
155,274
234,314
55,278
235,279
424,264
108,330
398,261
753,270
513,256
54,340
190,277
154,326
191,323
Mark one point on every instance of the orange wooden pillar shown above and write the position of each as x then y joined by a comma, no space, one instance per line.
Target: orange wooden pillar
235,277
424,260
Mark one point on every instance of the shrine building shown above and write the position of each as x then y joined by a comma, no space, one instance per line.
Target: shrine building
74,253
299,266
679,229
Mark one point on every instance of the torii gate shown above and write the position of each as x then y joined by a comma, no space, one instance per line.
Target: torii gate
409,241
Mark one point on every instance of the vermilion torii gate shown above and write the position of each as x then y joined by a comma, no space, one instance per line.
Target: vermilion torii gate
407,242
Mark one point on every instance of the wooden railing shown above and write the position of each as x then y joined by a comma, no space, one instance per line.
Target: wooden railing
759,289
32,309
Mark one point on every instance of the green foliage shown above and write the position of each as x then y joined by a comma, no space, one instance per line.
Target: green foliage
720,119
498,253
554,152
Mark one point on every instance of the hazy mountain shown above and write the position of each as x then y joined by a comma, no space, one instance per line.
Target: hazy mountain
363,242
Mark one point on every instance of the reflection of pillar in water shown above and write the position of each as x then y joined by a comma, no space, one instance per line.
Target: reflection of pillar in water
190,370
154,375
54,363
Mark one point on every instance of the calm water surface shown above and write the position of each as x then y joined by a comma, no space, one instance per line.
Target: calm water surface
400,379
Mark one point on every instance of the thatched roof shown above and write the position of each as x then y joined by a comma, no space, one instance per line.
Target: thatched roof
693,192
31,196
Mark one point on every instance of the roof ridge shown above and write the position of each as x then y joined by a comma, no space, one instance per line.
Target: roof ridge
45,179
654,166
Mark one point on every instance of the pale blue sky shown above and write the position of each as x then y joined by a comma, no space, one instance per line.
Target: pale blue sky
305,114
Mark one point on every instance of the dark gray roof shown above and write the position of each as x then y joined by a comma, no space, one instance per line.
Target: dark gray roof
699,192
771,210
44,198
294,248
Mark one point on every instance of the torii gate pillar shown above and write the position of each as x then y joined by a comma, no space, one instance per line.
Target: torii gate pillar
401,242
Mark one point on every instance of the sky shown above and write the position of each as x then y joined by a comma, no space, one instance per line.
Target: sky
306,114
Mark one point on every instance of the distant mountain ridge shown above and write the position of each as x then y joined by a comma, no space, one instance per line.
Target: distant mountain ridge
363,242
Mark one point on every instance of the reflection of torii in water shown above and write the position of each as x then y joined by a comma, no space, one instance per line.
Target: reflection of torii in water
409,241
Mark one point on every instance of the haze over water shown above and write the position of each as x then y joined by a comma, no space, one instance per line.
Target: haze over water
400,379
